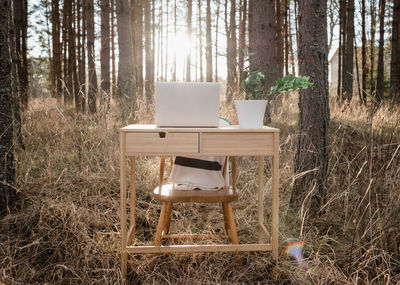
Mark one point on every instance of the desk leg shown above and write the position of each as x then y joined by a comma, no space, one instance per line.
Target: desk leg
260,198
132,217
275,197
122,161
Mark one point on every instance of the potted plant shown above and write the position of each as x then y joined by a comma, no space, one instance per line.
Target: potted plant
251,112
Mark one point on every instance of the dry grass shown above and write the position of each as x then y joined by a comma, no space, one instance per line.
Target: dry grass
66,229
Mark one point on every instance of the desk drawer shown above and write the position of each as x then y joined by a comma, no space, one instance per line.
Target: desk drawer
237,143
162,143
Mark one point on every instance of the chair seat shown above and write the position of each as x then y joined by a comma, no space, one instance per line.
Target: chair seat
168,194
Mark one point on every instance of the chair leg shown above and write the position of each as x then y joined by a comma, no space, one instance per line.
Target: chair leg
168,214
231,223
232,229
226,222
160,225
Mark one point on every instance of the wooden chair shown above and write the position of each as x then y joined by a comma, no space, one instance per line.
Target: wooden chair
168,196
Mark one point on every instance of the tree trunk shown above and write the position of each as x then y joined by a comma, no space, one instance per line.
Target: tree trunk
166,43
92,94
380,77
209,76
105,54
7,166
139,44
342,44
21,30
125,65
372,50
265,54
189,37
395,59
216,40
67,86
279,37
152,66
15,82
72,53
200,44
113,66
348,63
251,26
242,37
82,76
313,125
174,72
286,33
364,68
56,69
160,65
80,96
231,80
291,46
147,48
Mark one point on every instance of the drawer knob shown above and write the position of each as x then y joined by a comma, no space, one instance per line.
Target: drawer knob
162,134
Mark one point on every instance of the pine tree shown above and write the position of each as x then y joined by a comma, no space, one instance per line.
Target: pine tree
7,165
395,57
105,53
380,76
92,94
313,139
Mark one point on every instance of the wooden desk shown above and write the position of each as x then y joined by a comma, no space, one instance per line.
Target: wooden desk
138,140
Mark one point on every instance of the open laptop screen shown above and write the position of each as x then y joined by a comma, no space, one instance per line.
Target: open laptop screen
187,104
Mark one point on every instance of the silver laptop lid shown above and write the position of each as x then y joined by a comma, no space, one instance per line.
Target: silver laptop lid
187,104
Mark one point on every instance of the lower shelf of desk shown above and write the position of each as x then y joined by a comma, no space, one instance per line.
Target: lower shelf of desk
199,248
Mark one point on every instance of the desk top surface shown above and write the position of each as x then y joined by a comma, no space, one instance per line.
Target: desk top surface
228,129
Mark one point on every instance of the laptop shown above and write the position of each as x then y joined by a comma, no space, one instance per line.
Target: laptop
186,104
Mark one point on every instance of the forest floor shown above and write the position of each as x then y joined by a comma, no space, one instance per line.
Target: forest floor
66,227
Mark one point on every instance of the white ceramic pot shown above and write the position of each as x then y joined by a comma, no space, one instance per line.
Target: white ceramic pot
250,113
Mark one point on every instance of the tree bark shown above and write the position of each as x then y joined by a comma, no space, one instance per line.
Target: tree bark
380,76
364,68
216,40
209,76
72,53
92,94
286,37
231,80
105,54
113,65
279,37
82,76
189,38
80,101
372,49
251,26
7,166
15,82
291,46
313,139
395,58
174,70
147,47
56,70
265,58
21,29
166,43
139,43
67,69
348,63
242,37
125,65
342,44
